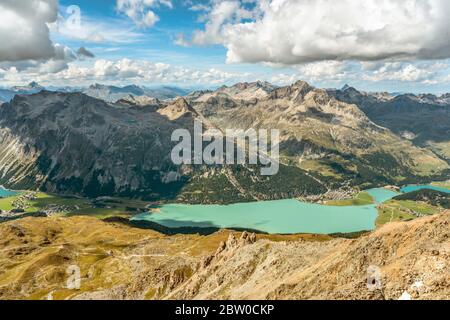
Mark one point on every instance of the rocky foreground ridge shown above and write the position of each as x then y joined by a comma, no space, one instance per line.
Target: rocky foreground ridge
118,262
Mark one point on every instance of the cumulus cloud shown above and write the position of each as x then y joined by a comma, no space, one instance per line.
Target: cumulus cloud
59,61
142,11
199,7
426,72
123,71
223,13
422,72
24,33
181,40
295,32
333,70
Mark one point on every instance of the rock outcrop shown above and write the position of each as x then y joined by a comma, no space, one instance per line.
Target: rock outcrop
408,257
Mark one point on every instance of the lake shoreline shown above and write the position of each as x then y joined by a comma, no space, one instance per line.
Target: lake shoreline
289,216
283,217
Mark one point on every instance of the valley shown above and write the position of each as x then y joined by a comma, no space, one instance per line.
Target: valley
364,212
71,143
104,151
96,189
236,150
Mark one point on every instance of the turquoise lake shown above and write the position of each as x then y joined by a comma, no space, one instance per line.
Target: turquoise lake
283,216
412,188
6,193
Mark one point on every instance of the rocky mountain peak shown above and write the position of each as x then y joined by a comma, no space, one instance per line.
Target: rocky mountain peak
264,85
296,91
70,142
241,85
47,104
244,91
140,101
97,86
352,91
32,86
302,85
132,86
345,87
182,103
177,109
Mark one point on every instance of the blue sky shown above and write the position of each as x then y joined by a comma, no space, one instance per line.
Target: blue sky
157,43
196,44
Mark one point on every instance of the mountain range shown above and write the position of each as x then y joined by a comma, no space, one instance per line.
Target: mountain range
322,133
114,93
6,94
116,141
422,119
104,92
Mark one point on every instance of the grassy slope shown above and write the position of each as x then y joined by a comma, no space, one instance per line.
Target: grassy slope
42,201
103,209
107,254
395,210
414,204
445,185
361,199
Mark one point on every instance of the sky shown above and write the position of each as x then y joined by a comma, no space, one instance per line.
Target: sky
389,45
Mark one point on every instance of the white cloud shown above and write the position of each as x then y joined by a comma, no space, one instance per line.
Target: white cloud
61,58
427,72
122,72
335,73
221,14
199,7
125,71
294,32
329,70
181,41
141,12
24,33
